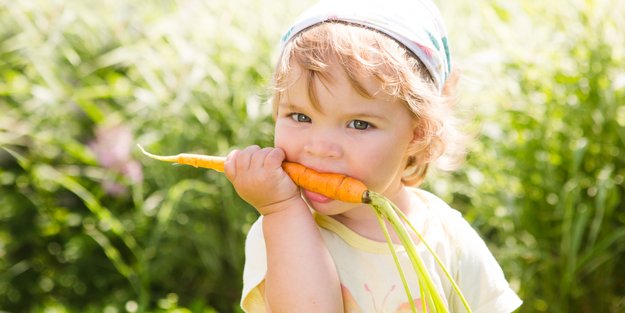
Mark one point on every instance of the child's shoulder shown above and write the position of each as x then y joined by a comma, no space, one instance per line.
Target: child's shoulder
436,206
442,217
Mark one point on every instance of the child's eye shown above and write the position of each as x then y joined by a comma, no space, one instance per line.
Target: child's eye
360,125
299,117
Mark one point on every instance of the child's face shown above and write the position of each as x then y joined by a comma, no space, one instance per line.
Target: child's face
363,138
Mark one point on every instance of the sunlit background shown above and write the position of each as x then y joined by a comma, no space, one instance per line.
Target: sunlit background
87,224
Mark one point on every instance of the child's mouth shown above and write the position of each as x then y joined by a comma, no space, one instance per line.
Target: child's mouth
315,197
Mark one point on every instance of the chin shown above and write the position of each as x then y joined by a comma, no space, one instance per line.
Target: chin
330,208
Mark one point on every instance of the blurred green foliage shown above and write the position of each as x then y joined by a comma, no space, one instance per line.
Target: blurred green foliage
89,225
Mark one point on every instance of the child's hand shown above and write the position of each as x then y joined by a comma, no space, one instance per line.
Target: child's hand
259,179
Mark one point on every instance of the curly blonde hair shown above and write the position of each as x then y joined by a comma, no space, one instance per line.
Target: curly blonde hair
361,52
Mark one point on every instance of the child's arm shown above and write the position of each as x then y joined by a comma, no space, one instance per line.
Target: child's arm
301,276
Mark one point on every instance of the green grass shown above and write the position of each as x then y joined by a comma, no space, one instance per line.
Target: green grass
87,231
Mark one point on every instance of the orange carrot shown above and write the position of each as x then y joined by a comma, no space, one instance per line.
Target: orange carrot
335,186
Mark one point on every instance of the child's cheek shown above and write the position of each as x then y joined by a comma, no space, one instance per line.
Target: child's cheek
379,170
286,140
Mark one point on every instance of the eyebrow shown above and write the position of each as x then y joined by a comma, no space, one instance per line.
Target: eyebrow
290,106
369,117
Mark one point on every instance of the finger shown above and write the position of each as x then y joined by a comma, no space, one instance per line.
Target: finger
244,158
258,159
275,158
230,164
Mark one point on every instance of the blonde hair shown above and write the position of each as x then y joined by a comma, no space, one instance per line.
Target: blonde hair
361,51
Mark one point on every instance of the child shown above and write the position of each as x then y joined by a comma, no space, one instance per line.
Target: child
359,90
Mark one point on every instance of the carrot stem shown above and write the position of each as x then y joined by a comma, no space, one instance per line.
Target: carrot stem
427,288
400,270
436,258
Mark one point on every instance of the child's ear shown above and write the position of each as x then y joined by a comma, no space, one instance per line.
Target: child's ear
420,147
417,135
416,143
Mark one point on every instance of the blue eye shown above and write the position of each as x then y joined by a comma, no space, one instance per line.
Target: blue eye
358,124
299,117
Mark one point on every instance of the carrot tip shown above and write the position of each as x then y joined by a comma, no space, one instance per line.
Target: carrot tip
157,157
142,150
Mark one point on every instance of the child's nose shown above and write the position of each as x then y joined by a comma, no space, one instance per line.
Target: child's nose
323,144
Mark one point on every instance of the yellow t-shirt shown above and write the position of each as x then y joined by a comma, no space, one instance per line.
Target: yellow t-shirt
369,278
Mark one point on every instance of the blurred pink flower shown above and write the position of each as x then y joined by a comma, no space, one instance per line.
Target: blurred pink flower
112,146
